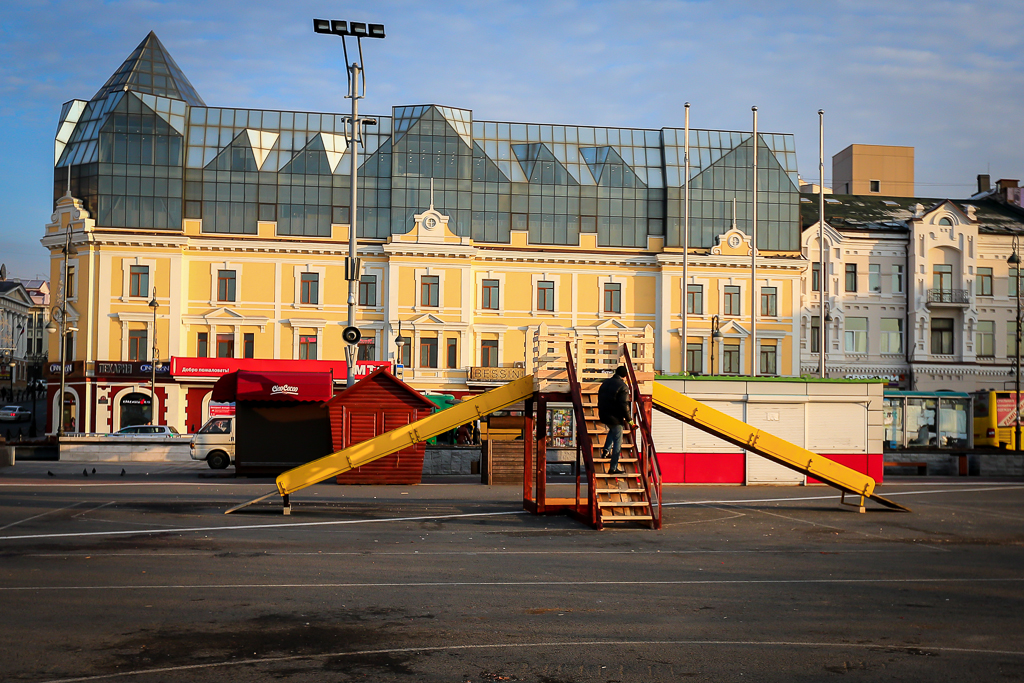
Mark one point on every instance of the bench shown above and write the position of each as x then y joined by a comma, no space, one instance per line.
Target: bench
922,467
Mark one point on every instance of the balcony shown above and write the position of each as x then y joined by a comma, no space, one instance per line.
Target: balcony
955,298
491,375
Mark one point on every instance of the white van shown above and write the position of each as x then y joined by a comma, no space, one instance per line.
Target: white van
215,442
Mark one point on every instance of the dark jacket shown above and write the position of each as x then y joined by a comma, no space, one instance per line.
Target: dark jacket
613,401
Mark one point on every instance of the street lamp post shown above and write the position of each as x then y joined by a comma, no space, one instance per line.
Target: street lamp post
152,364
356,75
715,336
61,314
824,337
1014,261
399,344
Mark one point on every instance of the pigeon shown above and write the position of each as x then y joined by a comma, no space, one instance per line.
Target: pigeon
94,470
50,474
85,473
122,471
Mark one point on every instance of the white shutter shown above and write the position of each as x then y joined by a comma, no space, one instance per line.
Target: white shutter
667,432
837,428
781,420
698,441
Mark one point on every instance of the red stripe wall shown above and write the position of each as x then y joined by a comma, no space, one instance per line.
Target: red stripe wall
730,468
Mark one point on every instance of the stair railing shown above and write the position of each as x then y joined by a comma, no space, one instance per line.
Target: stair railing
648,466
583,441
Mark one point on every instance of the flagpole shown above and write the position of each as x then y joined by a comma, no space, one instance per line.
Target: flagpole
686,231
753,263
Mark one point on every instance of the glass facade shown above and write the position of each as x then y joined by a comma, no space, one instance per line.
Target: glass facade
147,153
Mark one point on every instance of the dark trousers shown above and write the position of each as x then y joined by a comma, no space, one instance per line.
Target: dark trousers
613,444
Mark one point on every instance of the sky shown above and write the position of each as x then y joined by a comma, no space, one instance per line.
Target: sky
946,78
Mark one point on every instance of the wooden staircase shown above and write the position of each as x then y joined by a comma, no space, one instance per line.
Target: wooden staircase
620,497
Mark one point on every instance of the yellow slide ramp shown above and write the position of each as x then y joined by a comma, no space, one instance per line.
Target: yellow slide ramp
780,451
367,451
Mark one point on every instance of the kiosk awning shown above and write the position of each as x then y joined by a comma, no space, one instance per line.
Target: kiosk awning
246,385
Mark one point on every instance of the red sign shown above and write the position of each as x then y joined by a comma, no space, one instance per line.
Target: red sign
221,409
216,367
1006,416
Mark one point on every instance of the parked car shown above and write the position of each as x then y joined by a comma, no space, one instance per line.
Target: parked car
15,414
148,430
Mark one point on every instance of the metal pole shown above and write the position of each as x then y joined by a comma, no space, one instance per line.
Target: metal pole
1016,429
353,275
152,365
686,231
821,242
753,263
63,334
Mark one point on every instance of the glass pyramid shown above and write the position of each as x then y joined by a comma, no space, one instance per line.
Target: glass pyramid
150,69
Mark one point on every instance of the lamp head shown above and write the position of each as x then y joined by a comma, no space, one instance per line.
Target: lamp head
50,327
1014,259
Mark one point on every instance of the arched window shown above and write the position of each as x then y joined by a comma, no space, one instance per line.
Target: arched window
136,409
945,221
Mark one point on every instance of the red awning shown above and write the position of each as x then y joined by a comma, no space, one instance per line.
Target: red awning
246,385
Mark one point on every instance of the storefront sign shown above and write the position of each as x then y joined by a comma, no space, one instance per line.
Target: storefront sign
128,368
221,409
182,367
890,380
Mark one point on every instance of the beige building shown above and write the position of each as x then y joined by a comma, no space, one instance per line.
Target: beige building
882,170
919,291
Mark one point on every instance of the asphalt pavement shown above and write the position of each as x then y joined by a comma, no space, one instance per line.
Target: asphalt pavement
141,577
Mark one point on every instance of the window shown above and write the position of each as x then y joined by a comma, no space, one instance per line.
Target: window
1013,282
428,352
851,277
249,345
875,185
69,346
731,359
225,285
69,289
892,335
138,281
1011,341
768,301
874,277
695,358
942,277
490,295
452,352
897,279
545,295
942,336
429,289
612,297
816,334
985,338
406,351
137,344
732,300
226,345
769,360
816,277
309,288
856,335
695,299
489,353
202,344
984,281
366,351
307,347
368,290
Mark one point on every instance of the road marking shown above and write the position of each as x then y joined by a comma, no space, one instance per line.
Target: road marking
85,512
513,584
910,649
41,514
245,527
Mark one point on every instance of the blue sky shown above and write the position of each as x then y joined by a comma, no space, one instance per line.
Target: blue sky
944,77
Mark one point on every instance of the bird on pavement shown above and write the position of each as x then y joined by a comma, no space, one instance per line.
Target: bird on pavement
50,474
85,473
122,471
94,470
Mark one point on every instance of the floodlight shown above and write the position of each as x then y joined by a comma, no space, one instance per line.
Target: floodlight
321,26
376,31
357,29
339,28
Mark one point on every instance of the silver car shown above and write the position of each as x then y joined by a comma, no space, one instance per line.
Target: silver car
148,430
15,414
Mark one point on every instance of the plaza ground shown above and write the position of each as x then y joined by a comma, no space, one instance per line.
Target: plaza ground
141,577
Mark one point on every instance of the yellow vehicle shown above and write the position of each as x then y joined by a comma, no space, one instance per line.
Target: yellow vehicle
995,418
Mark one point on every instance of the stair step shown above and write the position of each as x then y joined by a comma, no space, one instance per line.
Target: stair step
605,475
620,491
626,518
623,504
621,460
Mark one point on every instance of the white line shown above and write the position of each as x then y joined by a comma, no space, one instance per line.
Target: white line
799,498
583,643
511,584
85,512
261,526
41,514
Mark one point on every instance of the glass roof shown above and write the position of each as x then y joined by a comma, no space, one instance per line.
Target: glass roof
150,69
